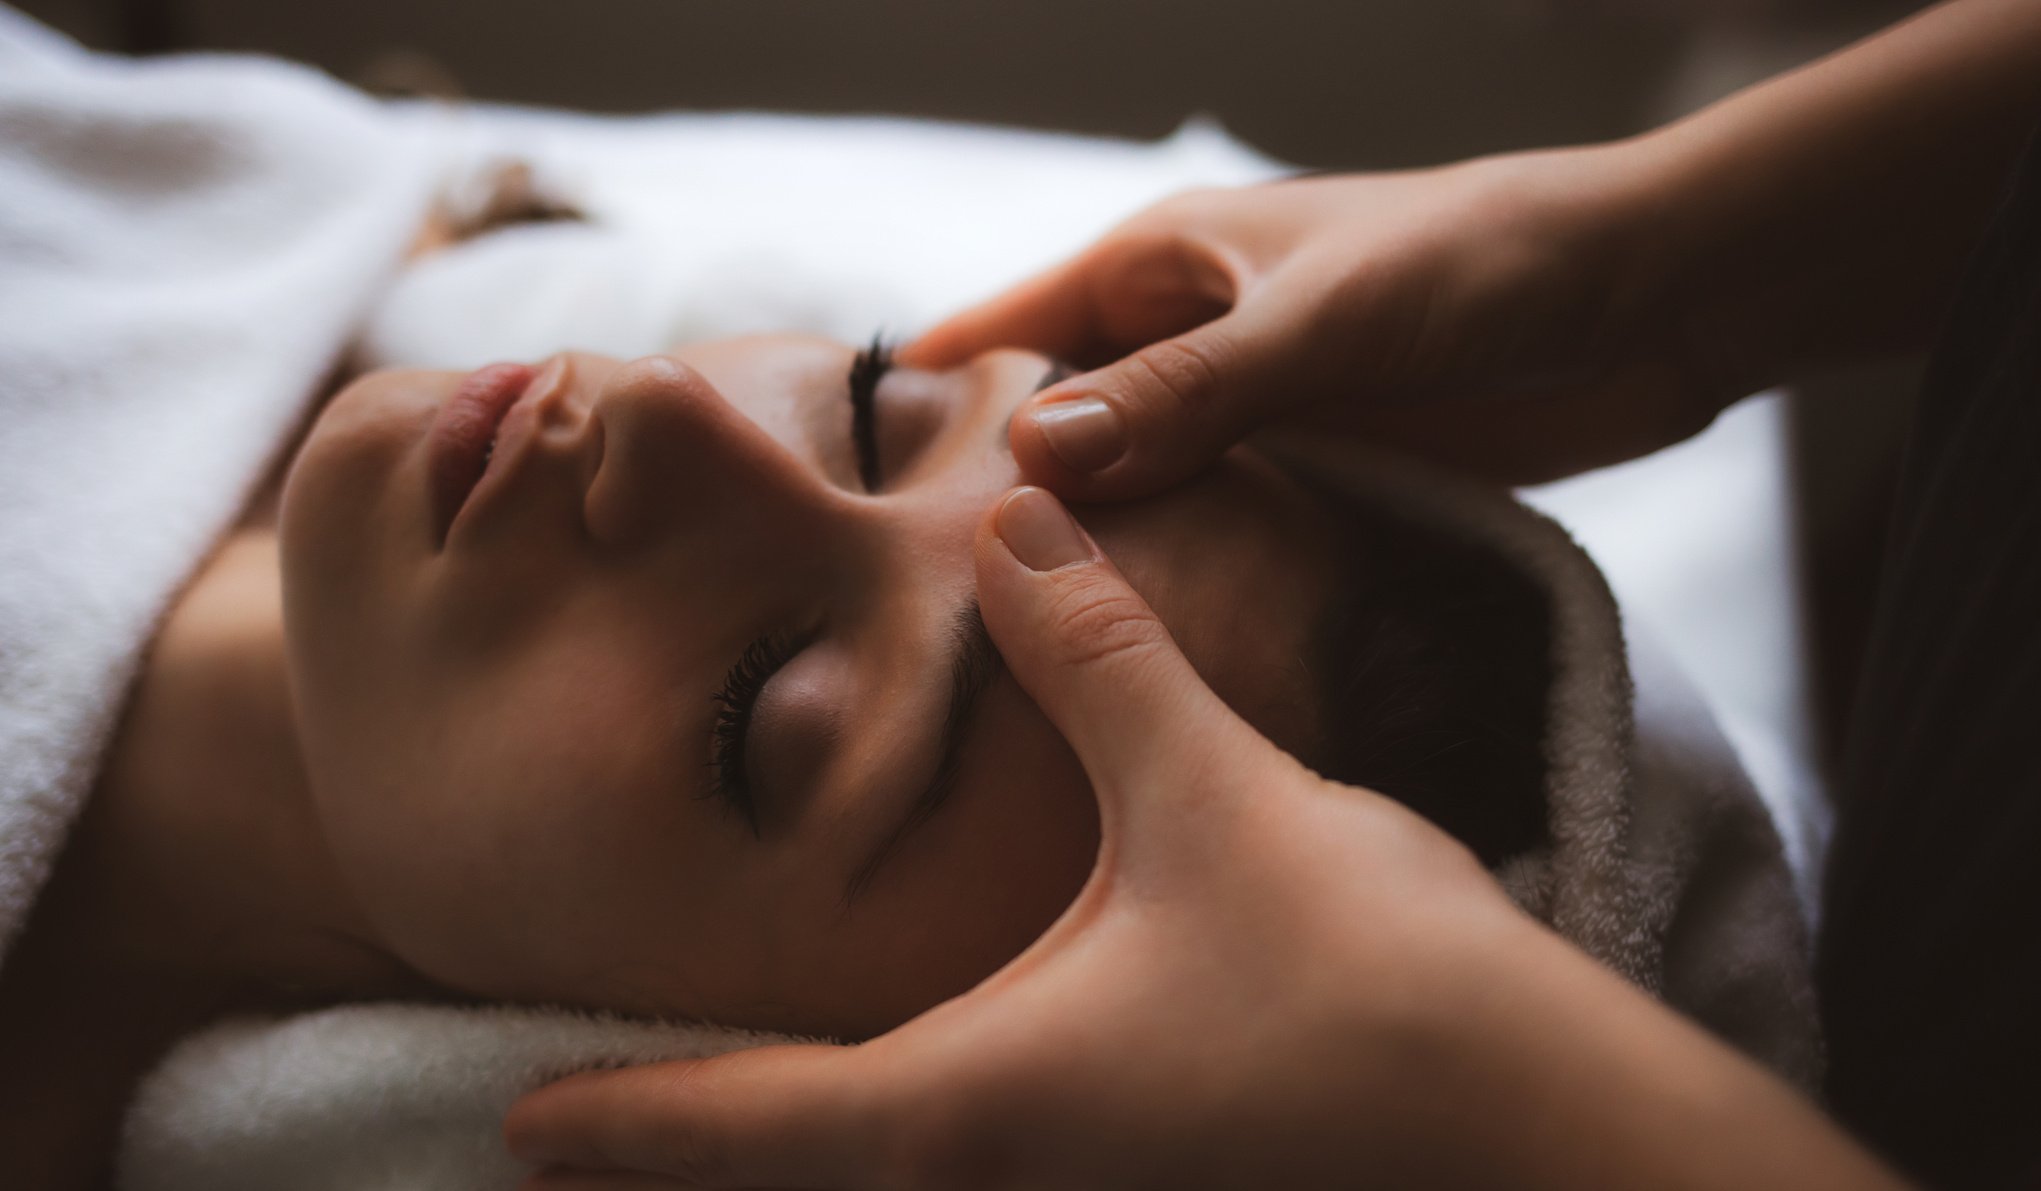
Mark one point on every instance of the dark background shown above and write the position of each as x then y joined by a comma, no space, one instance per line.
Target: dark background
1322,83
1319,82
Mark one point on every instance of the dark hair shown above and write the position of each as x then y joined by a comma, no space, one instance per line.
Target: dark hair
1433,666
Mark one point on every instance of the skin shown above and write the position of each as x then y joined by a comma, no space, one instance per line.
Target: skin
507,735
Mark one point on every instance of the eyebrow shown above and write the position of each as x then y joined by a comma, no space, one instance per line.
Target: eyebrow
974,664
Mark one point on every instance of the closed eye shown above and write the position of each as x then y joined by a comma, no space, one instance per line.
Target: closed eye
730,777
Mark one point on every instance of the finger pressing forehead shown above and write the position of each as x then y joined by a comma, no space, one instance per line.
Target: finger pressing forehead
1090,651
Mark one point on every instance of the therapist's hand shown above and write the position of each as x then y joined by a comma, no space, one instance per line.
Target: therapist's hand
1533,314
1232,1000
1491,315
1271,980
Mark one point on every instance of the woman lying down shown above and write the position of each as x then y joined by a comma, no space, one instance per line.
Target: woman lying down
658,687
650,687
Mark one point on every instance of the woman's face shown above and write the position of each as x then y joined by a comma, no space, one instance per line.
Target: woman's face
513,727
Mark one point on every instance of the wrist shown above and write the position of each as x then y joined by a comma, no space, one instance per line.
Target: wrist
1622,245
1696,286
1714,263
1825,216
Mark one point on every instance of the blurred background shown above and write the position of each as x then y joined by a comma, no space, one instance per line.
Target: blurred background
1323,83
1327,84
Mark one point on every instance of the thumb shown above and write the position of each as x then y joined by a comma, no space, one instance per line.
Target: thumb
1148,421
776,1116
1090,652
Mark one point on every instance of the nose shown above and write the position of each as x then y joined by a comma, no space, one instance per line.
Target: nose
680,461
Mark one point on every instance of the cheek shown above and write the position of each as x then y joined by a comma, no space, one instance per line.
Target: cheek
978,884
505,835
440,826
353,480
348,543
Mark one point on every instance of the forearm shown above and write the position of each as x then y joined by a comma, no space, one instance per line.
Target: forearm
1554,1073
1826,214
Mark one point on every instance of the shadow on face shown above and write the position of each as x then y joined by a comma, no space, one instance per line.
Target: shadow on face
663,690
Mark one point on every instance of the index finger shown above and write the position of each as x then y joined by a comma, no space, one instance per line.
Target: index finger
1132,288
1052,312
776,1116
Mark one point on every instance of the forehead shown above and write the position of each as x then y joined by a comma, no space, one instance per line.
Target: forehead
1239,565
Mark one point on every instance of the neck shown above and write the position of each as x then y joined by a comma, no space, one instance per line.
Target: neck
199,862
196,883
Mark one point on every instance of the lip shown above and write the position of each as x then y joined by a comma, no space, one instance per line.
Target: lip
458,454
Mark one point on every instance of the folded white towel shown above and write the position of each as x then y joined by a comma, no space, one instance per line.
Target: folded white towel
371,1098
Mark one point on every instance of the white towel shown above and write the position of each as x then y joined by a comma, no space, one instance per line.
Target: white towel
371,1098
184,246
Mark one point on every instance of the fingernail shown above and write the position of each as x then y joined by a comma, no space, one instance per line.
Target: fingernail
1040,532
1086,434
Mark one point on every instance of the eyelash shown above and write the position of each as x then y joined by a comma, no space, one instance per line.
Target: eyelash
735,702
870,366
763,658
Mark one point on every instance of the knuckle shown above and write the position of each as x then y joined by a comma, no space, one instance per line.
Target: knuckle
1175,380
1104,624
